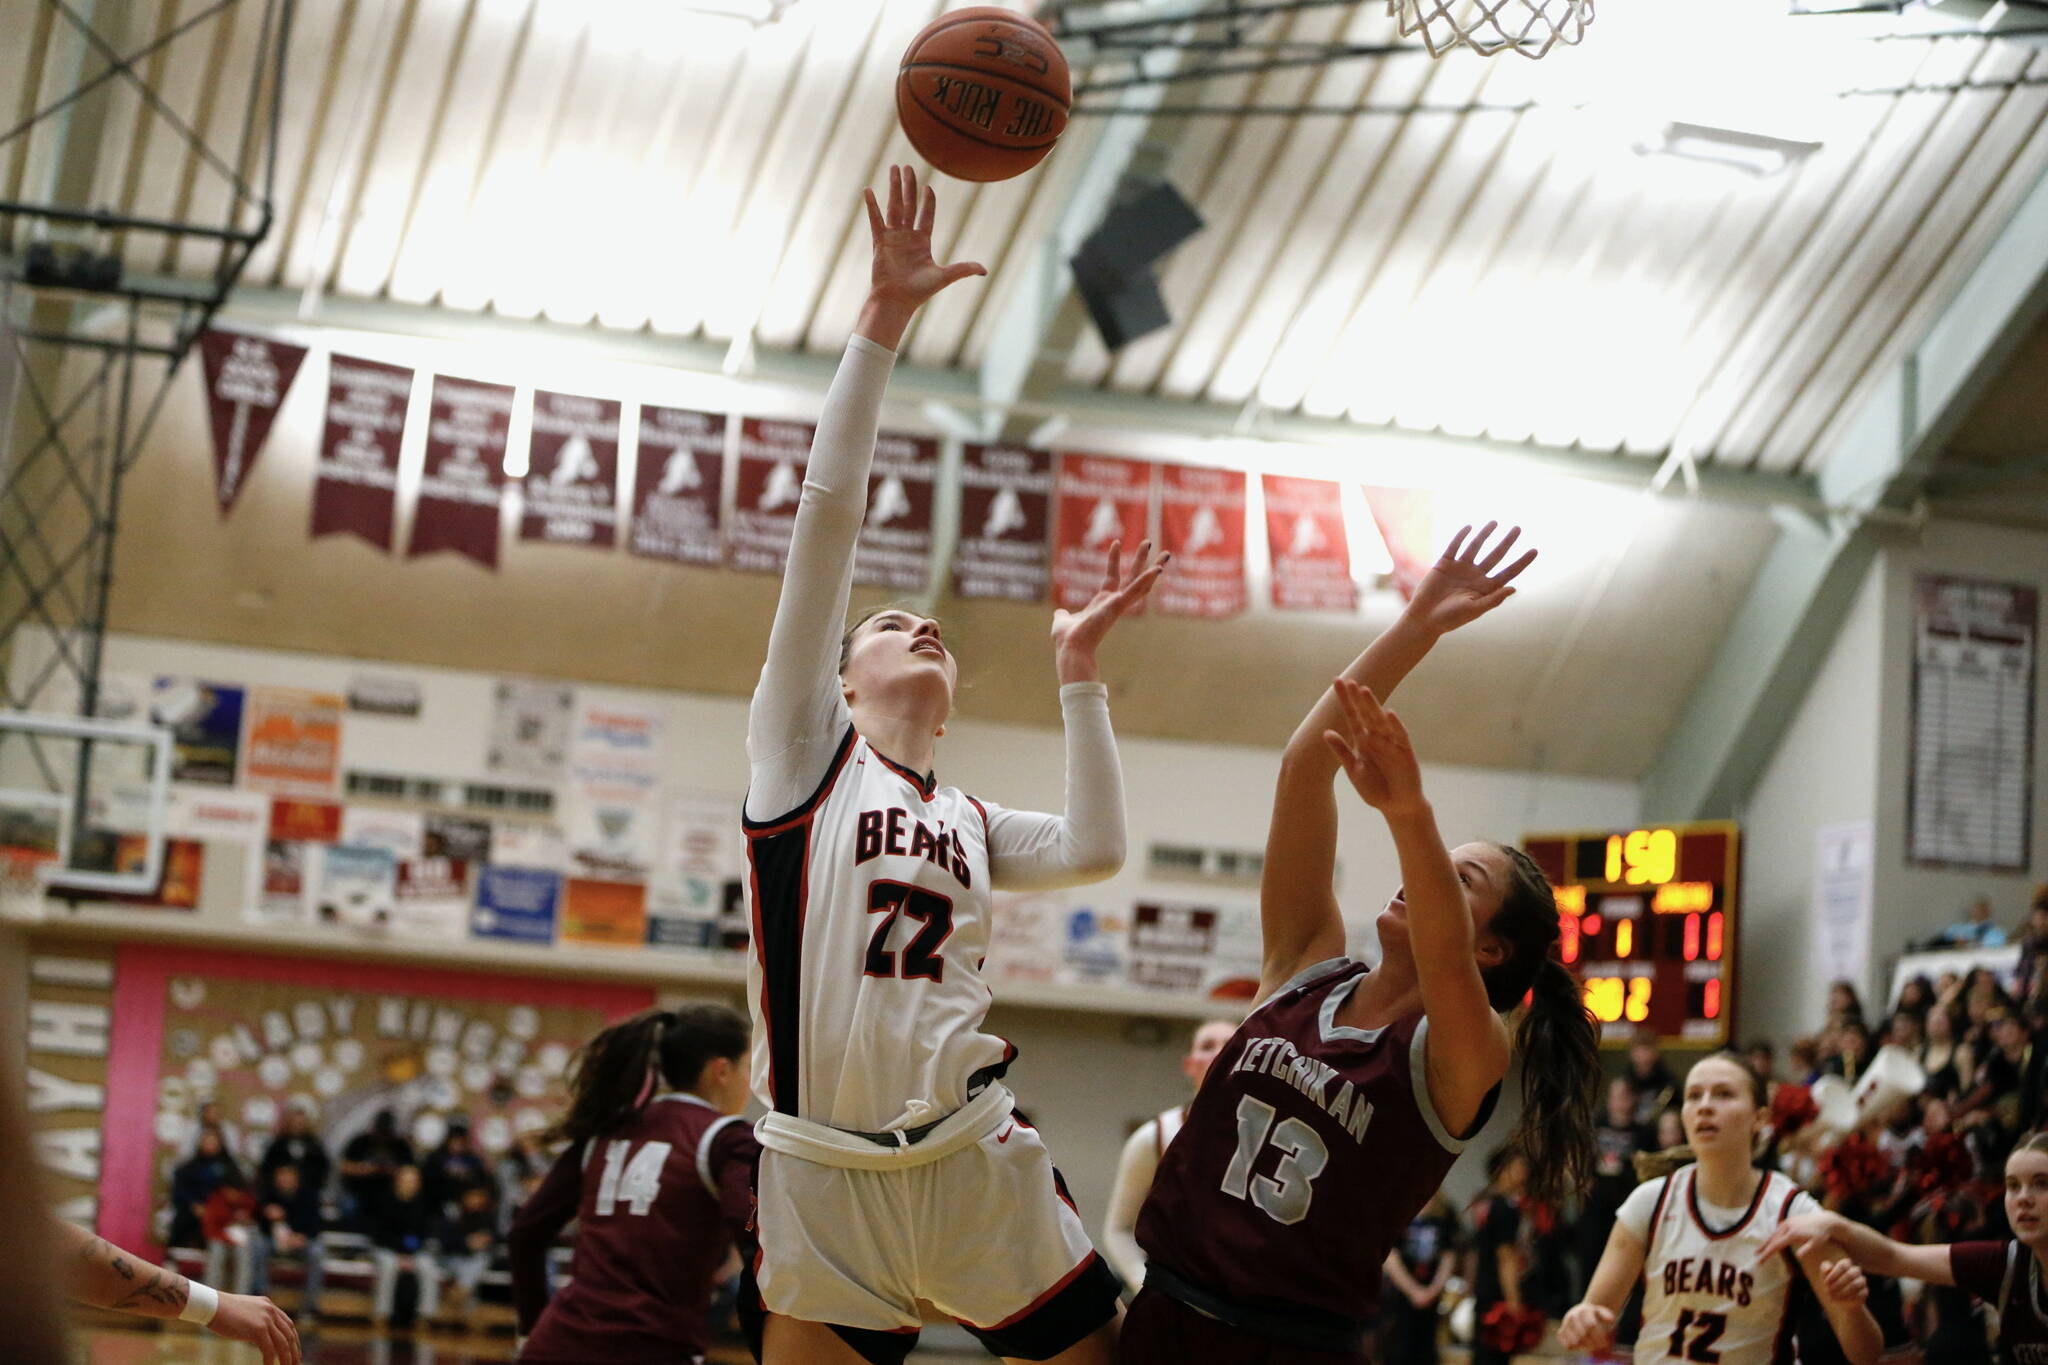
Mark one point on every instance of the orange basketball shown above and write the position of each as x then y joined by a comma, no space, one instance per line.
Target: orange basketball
983,93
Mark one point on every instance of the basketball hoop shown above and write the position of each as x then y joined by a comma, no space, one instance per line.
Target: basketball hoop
1488,27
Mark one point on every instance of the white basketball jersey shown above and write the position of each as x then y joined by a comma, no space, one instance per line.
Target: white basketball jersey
1705,1298
870,907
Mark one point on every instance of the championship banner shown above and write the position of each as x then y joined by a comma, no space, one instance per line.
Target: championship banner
258,1035
1005,505
355,490
895,548
771,479
1100,500
1201,524
246,381
1406,518
464,478
1305,533
571,487
676,485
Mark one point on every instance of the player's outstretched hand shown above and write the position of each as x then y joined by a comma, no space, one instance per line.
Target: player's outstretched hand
1466,582
1374,751
905,275
1587,1327
1801,1234
1077,634
259,1322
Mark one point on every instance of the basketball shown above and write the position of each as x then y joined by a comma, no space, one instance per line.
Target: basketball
983,93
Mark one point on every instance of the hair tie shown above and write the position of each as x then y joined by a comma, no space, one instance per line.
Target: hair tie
653,1064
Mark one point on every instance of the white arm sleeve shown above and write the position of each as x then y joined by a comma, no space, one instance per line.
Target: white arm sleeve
1640,1206
1134,1172
1029,851
798,716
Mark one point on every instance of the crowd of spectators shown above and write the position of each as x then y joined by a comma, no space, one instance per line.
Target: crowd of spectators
1929,1169
425,1223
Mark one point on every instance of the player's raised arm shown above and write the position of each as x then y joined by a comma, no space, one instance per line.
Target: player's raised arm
798,715
1298,906
1810,1234
1029,850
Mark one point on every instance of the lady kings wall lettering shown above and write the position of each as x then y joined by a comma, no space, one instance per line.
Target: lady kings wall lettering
70,1020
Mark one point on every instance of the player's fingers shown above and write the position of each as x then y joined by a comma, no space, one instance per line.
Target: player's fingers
1143,559
1140,588
1514,570
1500,549
927,209
1113,571
1479,541
1457,542
1606,1315
874,213
1346,755
964,270
899,198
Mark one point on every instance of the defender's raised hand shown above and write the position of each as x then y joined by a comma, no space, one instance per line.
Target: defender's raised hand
1466,583
1374,750
905,275
1076,634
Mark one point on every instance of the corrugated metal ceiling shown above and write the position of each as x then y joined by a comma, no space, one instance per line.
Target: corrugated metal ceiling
1497,261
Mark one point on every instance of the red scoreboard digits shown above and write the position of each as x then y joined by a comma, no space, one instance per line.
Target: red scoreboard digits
1648,922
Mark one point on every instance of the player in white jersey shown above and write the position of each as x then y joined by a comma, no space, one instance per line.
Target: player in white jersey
1693,1236
890,1153
1140,1159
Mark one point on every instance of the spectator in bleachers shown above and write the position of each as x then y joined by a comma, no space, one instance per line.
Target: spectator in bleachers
1845,1005
1654,1084
2034,1066
2033,969
299,1146
193,1183
520,1172
289,1223
1906,1030
368,1163
1916,996
1803,1061
1499,1241
1975,929
1942,1056
1416,1273
469,1239
1669,1132
453,1167
210,1116
1851,1051
228,1221
1763,1060
401,1232
1616,1140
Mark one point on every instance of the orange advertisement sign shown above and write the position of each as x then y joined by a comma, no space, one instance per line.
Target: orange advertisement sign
610,913
294,740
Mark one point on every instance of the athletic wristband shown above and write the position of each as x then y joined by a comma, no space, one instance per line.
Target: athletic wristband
201,1303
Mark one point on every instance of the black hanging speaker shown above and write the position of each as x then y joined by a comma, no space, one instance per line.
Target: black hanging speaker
1113,268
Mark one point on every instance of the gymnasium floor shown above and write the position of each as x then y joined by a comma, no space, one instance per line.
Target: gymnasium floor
341,1346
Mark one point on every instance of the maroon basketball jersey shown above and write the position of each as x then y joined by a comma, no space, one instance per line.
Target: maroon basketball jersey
656,1203
2007,1276
1307,1151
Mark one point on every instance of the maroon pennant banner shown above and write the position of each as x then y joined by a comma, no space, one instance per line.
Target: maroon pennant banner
464,479
1305,533
676,485
246,381
771,480
895,549
355,488
1005,509
1201,524
572,477
1101,500
1406,518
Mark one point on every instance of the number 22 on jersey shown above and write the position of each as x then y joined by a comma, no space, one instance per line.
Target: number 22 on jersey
1284,1195
636,1183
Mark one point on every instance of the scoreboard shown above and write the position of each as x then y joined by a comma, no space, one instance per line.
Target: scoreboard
1647,918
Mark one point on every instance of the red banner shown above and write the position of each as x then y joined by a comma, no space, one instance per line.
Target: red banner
464,479
895,549
1005,504
571,488
246,381
676,485
1305,532
355,489
1101,500
1201,524
771,480
1406,518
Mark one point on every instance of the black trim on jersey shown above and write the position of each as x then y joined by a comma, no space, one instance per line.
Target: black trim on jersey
1059,1319
780,872
1692,1200
1781,1342
1657,1216
926,783
810,803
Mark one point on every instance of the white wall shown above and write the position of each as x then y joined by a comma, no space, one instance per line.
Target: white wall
1913,902
1087,1077
1825,771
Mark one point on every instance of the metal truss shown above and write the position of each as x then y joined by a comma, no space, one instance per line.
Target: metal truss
99,306
1228,39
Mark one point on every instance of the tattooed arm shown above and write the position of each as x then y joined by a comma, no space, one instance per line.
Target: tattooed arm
101,1274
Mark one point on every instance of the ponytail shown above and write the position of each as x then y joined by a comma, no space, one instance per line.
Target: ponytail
618,1072
1560,1050
1558,1041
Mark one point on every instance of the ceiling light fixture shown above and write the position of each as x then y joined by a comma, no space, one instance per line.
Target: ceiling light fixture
1756,154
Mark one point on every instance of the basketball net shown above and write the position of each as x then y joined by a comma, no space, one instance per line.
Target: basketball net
1488,27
